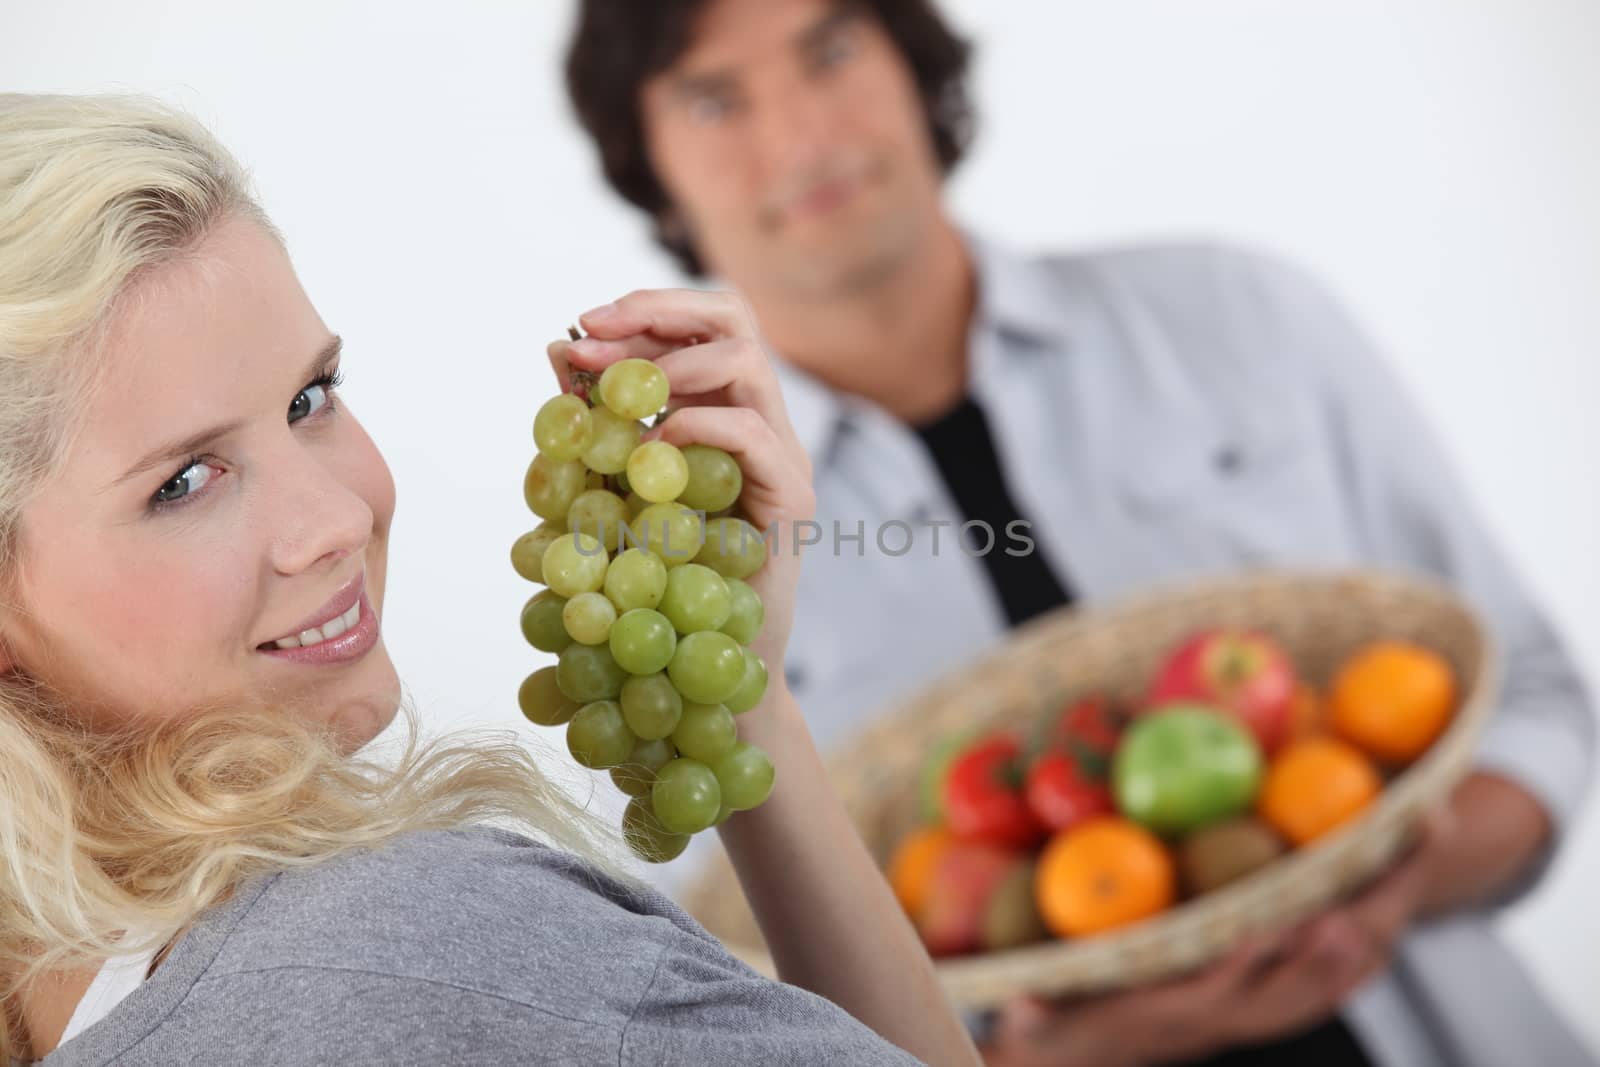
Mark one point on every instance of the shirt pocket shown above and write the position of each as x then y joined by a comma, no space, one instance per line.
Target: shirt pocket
1219,494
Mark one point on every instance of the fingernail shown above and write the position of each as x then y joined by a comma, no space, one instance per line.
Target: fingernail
583,346
601,313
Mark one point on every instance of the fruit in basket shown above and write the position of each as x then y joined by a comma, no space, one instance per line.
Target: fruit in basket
1061,793
1088,729
983,798
1240,671
1225,852
1102,874
1308,713
1315,786
1183,766
972,900
935,769
653,658
1392,699
911,865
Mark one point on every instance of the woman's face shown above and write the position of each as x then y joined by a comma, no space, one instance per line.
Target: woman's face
218,498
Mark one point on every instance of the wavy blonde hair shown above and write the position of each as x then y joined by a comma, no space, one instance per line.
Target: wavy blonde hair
140,831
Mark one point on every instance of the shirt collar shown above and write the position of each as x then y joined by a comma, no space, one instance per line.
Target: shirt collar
1017,296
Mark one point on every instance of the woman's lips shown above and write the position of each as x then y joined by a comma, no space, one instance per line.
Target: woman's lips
347,647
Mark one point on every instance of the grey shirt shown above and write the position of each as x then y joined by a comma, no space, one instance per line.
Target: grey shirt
462,947
1163,413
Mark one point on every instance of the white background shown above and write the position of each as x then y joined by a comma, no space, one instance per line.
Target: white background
1430,158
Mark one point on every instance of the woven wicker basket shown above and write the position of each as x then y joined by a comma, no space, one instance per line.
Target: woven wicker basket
1319,617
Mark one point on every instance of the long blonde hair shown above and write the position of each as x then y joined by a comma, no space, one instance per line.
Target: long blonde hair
141,830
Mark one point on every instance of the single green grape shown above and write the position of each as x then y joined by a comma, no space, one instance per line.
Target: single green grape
598,737
657,471
696,599
715,480
542,701
686,796
707,667
575,563
634,388
588,617
527,551
744,775
747,614
705,732
733,548
637,774
648,839
601,514
636,579
587,673
550,486
563,428
642,641
542,624
612,442
752,687
671,531
651,705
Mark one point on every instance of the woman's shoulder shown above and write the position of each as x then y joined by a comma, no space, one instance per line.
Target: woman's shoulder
481,908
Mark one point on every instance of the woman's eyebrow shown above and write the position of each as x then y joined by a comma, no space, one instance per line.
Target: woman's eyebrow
173,451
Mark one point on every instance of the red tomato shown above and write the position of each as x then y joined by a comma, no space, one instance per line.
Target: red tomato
983,797
1089,730
1061,796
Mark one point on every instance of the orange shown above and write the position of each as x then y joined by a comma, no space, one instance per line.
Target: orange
1392,699
1308,716
911,866
1103,873
1315,785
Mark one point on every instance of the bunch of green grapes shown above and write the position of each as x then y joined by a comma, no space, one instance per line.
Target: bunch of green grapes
646,608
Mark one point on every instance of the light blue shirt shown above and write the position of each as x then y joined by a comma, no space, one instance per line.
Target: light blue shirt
1167,413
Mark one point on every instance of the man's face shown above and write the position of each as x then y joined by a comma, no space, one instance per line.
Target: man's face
792,141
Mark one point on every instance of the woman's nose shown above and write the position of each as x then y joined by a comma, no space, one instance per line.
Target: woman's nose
318,519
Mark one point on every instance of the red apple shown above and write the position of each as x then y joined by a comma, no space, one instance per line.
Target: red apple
1239,671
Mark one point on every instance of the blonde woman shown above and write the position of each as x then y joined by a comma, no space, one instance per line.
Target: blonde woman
197,864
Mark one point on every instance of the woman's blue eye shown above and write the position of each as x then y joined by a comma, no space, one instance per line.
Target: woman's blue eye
310,400
191,479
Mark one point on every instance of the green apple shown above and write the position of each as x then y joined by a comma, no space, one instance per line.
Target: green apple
1182,766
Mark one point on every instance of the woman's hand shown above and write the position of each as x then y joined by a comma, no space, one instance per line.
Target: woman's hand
1263,990
725,394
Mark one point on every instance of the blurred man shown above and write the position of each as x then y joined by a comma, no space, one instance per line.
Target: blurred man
1136,416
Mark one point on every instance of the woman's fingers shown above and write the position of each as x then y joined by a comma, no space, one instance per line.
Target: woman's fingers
561,363
770,474
598,353
671,313
733,371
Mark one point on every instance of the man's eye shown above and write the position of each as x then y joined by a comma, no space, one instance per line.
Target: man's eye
834,51
711,107
191,479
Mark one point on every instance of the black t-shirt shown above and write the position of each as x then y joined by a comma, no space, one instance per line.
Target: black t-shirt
963,449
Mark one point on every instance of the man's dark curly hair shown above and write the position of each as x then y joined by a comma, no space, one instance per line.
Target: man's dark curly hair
619,44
